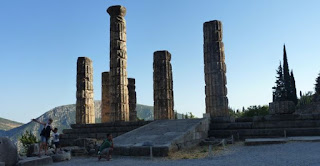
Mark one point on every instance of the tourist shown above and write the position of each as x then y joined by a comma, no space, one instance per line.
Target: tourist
56,140
44,135
106,148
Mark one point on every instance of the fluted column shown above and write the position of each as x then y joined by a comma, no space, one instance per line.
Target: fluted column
107,115
215,70
132,99
162,85
119,99
85,104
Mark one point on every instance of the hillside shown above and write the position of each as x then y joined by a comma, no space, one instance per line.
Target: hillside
63,116
6,124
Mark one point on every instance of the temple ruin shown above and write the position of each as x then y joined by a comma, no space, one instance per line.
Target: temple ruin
119,98
162,85
106,113
215,70
85,104
132,99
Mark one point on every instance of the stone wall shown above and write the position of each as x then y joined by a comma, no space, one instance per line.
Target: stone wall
162,86
281,107
85,104
215,70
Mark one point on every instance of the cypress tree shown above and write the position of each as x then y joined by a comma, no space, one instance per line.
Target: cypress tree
279,93
317,85
293,92
286,75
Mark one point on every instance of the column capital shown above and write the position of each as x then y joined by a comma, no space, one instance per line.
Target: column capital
117,10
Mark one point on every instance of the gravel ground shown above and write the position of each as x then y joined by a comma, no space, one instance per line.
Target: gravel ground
291,154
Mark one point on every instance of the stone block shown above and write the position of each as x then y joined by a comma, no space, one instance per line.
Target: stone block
32,161
8,151
282,107
61,156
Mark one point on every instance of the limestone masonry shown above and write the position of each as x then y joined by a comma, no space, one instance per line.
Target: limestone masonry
85,104
107,115
215,70
162,85
119,99
132,99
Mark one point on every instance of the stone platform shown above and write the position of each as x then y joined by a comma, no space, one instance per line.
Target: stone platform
164,136
266,126
97,131
32,161
264,141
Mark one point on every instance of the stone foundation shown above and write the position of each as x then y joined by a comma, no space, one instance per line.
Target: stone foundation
281,107
97,131
164,136
282,125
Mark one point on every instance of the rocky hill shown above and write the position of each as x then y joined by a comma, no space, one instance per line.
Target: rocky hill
6,124
63,116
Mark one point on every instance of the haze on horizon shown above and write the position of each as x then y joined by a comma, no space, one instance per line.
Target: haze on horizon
41,40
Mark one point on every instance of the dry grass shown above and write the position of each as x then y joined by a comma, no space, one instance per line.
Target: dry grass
197,152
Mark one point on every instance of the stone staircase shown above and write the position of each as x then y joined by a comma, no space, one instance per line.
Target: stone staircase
269,126
97,131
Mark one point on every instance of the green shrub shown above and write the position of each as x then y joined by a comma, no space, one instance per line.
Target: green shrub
256,111
305,99
27,139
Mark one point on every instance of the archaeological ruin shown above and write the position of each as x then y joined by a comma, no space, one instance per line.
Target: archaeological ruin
85,104
162,85
215,70
119,97
107,115
164,134
132,99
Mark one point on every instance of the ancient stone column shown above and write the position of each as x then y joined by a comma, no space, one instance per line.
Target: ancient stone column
119,98
215,70
85,104
107,115
132,99
162,85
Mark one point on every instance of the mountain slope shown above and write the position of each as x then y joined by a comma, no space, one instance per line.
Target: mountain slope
6,124
63,116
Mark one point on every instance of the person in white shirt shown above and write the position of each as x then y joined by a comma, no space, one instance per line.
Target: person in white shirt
56,140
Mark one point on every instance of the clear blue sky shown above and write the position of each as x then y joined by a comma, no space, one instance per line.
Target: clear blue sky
41,40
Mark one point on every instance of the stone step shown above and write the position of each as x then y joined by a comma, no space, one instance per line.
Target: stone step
266,125
110,124
31,161
224,126
287,117
100,129
263,141
88,135
256,133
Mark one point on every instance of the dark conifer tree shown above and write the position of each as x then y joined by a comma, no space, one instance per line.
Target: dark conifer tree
286,74
279,93
293,90
317,85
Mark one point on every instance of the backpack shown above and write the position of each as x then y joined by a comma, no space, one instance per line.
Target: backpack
46,131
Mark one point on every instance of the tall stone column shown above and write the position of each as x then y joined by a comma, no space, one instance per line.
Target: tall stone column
215,70
162,85
119,99
132,99
85,104
107,115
